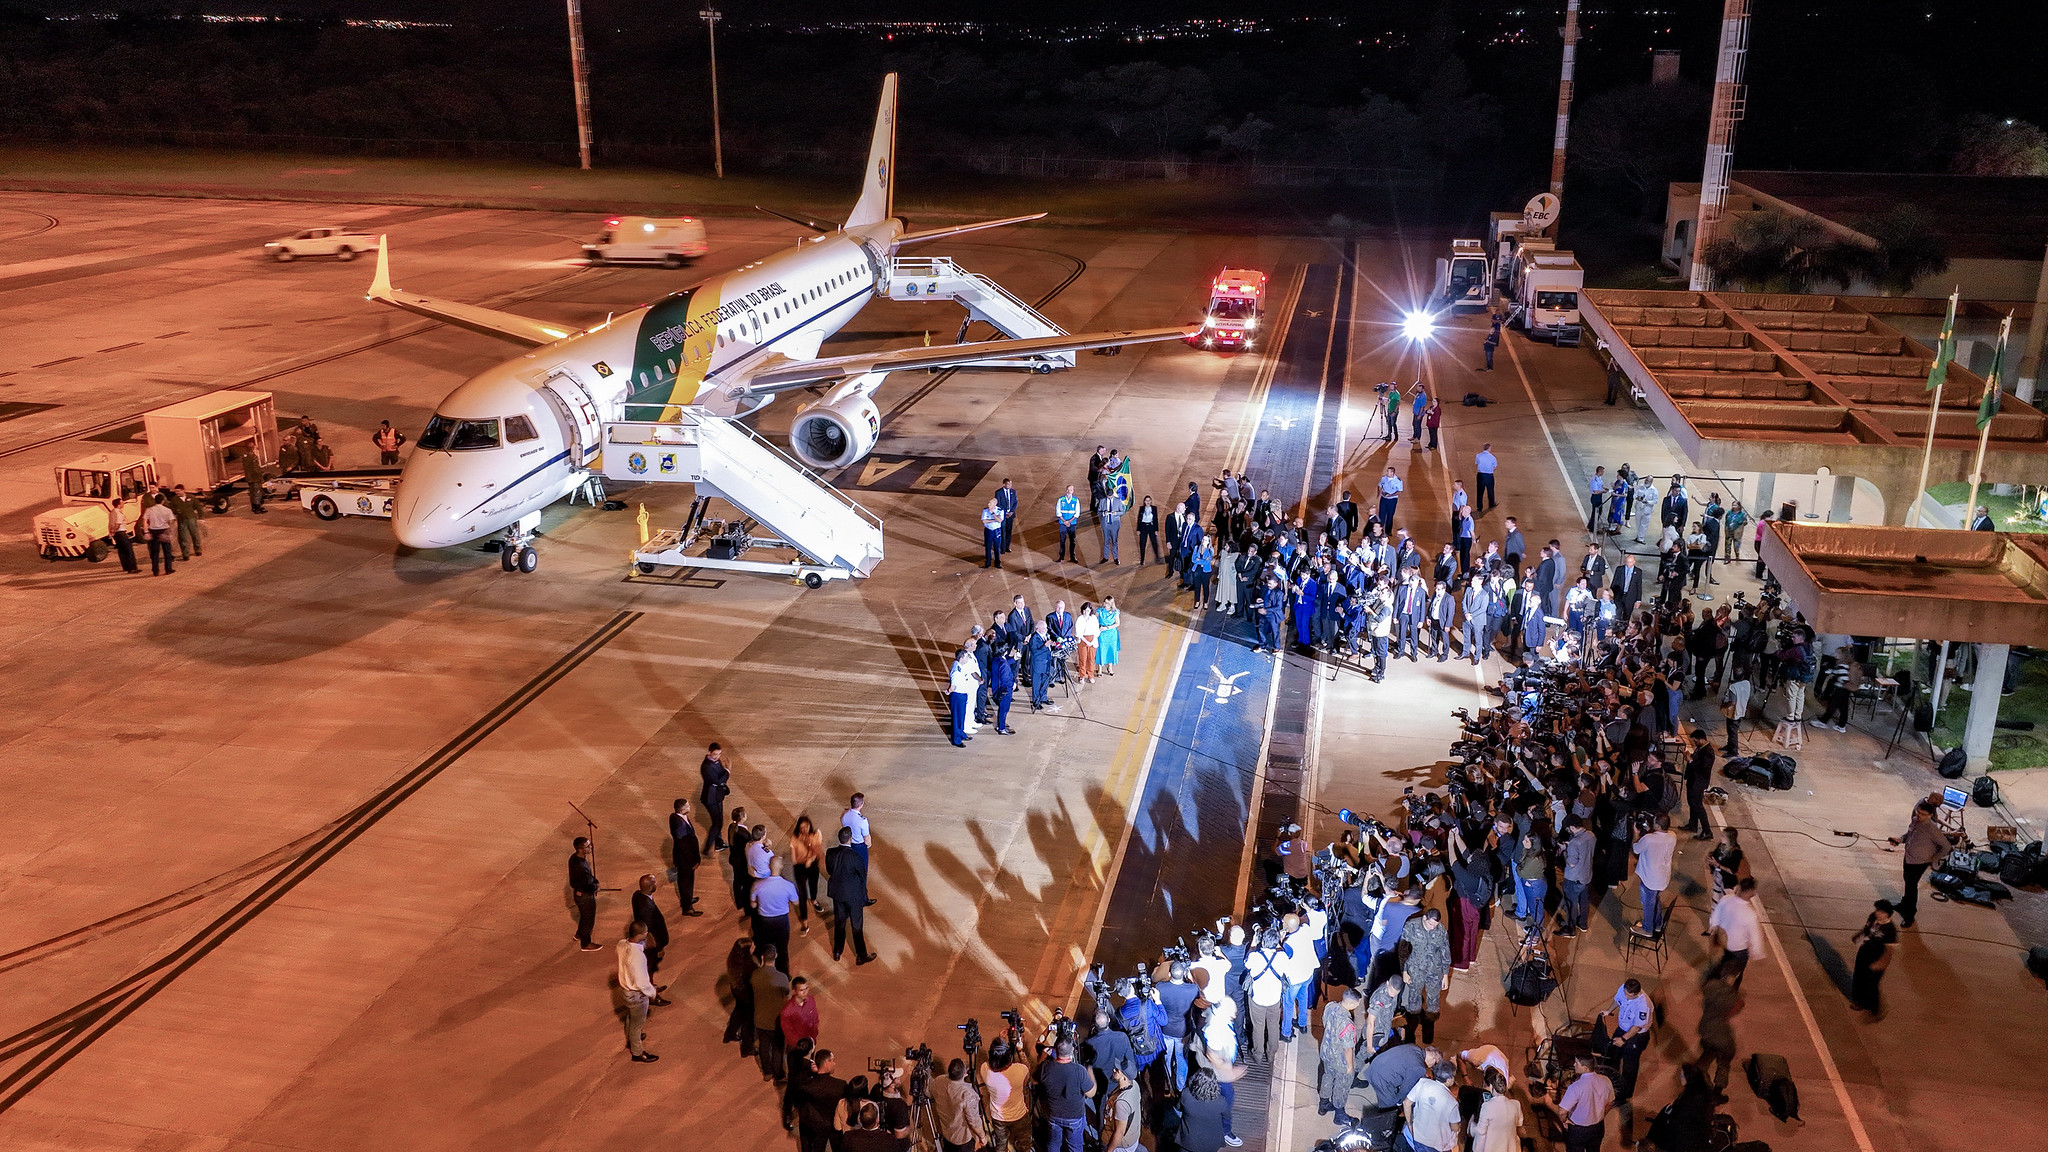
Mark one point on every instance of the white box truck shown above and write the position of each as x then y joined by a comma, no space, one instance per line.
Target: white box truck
669,241
1546,300
199,442
1464,280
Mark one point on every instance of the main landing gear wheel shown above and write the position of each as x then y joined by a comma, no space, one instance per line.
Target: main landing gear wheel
813,580
324,508
527,559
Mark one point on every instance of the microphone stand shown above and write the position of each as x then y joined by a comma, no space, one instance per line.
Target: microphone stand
590,827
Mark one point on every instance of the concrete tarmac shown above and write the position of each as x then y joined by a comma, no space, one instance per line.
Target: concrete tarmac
284,865
290,824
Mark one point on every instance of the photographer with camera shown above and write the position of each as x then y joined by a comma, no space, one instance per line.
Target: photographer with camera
1007,1080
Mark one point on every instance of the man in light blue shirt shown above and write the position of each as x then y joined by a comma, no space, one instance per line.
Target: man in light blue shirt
1596,495
992,535
1484,464
1390,498
1420,403
1068,514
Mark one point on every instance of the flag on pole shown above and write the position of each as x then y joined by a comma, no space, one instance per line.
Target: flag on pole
1945,348
1993,392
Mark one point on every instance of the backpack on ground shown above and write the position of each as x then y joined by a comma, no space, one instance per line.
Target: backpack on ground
1770,1077
1952,763
1984,790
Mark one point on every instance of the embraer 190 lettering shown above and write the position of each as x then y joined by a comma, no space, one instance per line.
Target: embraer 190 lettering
515,438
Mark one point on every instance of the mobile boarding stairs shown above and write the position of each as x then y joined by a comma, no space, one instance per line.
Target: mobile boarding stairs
915,278
783,507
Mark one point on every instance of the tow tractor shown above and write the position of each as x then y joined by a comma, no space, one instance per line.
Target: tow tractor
1236,300
190,443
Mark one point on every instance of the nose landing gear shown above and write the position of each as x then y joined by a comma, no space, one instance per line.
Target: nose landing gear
516,551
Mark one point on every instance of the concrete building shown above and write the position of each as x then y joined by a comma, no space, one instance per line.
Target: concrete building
1994,227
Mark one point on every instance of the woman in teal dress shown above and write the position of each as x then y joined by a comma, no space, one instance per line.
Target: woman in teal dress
1109,645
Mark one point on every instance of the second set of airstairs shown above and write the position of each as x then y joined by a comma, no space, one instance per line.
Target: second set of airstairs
783,507
938,278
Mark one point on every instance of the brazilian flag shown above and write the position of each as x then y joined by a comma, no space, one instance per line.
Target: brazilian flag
1945,348
1994,391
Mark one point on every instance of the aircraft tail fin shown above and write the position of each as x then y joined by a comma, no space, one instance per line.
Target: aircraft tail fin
878,183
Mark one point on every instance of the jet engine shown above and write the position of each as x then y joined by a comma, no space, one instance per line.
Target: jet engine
837,430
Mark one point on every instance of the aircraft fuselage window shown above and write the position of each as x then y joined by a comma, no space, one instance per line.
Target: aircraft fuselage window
519,429
472,434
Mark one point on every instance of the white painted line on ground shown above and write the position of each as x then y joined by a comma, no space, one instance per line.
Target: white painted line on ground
1571,483
1820,1044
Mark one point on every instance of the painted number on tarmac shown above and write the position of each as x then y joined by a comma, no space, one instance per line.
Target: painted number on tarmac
930,475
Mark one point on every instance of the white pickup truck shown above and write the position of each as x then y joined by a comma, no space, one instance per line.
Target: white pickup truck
339,243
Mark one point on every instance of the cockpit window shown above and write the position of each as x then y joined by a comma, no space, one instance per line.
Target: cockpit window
435,438
519,429
474,434
445,434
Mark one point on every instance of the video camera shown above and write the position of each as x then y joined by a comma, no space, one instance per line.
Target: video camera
970,1042
920,1059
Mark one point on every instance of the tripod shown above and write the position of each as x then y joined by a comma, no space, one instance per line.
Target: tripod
923,1124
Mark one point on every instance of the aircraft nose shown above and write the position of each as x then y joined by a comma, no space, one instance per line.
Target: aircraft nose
418,511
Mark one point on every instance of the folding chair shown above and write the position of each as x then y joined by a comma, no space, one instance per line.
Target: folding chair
1640,940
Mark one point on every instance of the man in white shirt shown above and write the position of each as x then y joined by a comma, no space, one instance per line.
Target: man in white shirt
963,678
639,989
1301,965
1737,929
1431,1111
1266,989
1634,1012
1654,850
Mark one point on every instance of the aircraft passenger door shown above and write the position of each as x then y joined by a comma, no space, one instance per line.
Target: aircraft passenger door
573,403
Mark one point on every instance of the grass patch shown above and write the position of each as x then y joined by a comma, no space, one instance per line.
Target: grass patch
2010,751
2008,513
511,183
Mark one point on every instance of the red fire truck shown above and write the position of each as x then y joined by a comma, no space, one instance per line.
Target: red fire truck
1236,300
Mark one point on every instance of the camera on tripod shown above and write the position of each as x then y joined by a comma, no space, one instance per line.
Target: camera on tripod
920,1059
970,1041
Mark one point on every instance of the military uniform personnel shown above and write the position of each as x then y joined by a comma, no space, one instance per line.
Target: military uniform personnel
186,507
252,472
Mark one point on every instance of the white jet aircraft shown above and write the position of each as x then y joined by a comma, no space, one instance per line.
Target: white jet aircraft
515,438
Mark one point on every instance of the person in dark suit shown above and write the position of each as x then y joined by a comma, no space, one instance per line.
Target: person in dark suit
1021,622
1006,503
737,838
1594,568
1675,506
1628,589
717,783
687,856
846,883
647,912
583,884
1411,608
